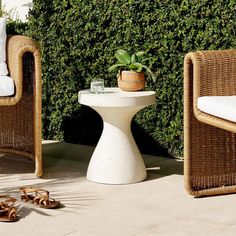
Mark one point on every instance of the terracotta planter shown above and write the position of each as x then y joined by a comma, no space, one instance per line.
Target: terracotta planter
131,81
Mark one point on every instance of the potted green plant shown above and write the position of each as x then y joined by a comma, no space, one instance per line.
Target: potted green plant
131,70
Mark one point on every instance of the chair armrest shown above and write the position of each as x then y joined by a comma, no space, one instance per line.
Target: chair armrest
210,73
16,47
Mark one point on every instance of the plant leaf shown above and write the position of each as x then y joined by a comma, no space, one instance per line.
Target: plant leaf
123,56
133,58
148,59
114,67
136,67
139,54
150,73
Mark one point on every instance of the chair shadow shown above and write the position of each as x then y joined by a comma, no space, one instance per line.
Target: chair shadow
161,167
12,164
66,160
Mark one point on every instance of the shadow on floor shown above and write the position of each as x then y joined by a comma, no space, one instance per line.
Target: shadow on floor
64,160
66,190
65,167
11,164
164,168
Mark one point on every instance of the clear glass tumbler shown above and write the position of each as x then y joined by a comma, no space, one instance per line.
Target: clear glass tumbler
97,86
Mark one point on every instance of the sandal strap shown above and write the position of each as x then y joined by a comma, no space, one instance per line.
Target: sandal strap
44,200
3,208
12,212
6,208
9,201
37,191
39,197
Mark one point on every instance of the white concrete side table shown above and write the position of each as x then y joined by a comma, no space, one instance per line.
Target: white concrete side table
116,158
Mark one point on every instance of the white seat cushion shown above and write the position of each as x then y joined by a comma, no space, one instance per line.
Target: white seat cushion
3,37
219,106
6,83
7,87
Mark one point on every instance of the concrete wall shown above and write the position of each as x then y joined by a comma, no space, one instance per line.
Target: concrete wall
20,7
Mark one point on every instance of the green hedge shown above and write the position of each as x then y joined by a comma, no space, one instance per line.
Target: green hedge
80,37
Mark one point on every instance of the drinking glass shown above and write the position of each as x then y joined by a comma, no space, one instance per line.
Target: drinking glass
97,86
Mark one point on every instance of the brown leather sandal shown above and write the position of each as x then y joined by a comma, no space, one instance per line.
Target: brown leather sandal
39,197
7,210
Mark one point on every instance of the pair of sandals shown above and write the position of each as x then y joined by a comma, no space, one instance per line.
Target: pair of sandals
38,197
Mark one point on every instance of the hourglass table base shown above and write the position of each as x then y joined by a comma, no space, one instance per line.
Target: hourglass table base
116,158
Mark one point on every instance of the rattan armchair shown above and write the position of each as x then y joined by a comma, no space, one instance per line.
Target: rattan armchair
20,114
209,141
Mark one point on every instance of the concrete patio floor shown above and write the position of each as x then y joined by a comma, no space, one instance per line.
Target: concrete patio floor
156,206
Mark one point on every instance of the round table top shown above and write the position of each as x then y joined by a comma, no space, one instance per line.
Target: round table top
115,97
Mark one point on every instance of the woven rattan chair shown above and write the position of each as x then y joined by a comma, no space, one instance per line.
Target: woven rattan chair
20,115
209,142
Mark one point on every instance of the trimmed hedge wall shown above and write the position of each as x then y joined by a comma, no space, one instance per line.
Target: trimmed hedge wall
79,39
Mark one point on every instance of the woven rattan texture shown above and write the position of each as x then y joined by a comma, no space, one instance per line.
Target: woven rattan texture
209,142
20,115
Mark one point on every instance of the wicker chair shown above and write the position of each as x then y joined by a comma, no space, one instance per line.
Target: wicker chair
209,141
20,115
